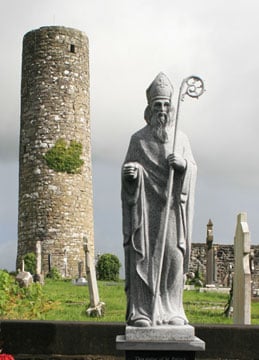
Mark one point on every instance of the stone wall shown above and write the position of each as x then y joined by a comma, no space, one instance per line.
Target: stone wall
54,207
224,256
59,340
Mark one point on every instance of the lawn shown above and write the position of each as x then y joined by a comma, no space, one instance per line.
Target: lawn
62,300
70,303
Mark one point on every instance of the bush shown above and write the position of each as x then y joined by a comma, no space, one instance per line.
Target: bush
21,303
108,267
30,263
196,279
54,274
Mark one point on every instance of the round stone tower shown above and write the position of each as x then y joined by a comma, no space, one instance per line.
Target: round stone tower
55,177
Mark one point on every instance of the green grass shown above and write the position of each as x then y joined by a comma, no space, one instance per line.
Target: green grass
206,307
61,300
71,302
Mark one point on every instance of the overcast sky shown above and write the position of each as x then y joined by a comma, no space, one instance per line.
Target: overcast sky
130,43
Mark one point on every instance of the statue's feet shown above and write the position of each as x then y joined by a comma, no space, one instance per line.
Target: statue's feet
141,323
177,321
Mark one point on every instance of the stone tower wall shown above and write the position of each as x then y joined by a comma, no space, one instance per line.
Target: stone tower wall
54,207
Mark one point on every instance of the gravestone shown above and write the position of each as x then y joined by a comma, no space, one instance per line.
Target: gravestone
210,267
38,277
38,257
242,273
24,278
96,306
215,265
80,269
81,280
65,272
49,263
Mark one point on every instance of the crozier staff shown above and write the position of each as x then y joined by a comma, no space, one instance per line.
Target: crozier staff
145,174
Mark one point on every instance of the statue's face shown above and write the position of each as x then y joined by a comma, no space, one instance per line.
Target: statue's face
161,118
161,108
161,105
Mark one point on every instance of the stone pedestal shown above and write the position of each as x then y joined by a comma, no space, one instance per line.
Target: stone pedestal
160,343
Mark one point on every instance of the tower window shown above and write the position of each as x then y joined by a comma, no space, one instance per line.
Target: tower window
72,48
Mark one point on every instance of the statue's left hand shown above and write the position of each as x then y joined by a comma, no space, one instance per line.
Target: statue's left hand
177,162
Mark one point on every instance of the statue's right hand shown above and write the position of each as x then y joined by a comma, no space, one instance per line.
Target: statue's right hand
130,171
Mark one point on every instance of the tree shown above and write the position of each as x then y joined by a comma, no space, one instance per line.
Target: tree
108,267
30,262
54,274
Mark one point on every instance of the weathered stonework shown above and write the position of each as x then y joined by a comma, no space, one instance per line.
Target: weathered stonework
224,257
54,207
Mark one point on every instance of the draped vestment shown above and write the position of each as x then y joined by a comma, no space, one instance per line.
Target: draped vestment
143,204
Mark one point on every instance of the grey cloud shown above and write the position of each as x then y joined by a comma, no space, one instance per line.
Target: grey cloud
130,42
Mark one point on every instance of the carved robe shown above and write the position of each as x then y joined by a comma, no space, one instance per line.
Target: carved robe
143,203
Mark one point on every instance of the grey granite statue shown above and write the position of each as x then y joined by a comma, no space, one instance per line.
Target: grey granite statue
145,174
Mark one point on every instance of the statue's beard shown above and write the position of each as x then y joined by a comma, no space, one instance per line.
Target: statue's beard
161,123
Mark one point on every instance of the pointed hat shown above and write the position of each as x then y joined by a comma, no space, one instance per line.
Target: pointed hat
161,87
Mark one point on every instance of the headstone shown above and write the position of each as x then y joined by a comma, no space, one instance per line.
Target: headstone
96,307
65,263
80,269
80,280
38,257
215,265
242,274
158,183
24,278
210,255
38,277
49,263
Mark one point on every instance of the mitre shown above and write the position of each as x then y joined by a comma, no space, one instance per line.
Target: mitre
161,87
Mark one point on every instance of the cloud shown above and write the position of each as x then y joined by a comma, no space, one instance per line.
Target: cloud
8,214
8,255
130,42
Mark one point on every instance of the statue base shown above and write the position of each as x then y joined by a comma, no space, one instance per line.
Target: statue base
160,333
160,343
